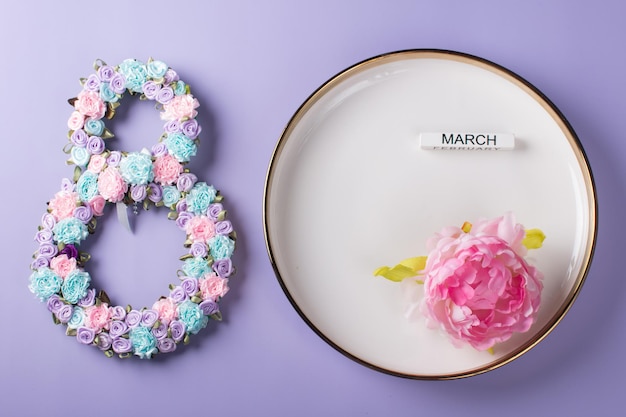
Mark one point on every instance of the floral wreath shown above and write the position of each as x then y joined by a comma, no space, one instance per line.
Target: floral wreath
475,284
149,178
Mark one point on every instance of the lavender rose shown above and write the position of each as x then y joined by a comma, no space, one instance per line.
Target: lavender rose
177,330
223,267
133,318
118,328
166,345
121,345
85,335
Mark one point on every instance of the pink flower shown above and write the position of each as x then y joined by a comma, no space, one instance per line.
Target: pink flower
76,120
166,309
167,169
505,228
111,185
97,317
200,228
96,163
90,104
477,288
63,204
97,205
212,287
180,107
62,265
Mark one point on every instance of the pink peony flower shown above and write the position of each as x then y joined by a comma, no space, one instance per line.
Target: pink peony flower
180,107
200,228
90,104
166,309
97,205
505,228
97,317
167,169
62,265
212,287
76,120
111,185
63,204
477,287
96,163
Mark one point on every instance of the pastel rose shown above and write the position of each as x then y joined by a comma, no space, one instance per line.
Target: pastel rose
97,317
165,95
117,83
103,341
150,89
133,318
172,126
90,104
76,120
85,335
47,250
170,76
105,73
79,138
55,304
191,128
166,345
186,182
177,329
200,228
223,267
96,163
39,262
223,227
111,185
181,206
83,213
63,204
209,307
65,312
160,331
182,219
121,345
478,289
89,299
215,210
149,317
48,221
166,309
43,235
155,192
138,192
118,313
180,107
118,328
190,286
159,149
114,158
213,287
198,250
62,265
177,294
95,145
97,205
167,169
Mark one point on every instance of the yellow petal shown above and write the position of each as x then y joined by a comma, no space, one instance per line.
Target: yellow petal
534,239
405,269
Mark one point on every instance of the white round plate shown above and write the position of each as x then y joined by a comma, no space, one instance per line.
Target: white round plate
349,189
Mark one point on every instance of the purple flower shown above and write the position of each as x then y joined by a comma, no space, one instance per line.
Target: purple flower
181,205
172,126
39,262
223,267
69,250
54,303
83,213
166,345
190,286
95,145
215,210
89,299
92,83
138,192
177,330
149,317
65,313
209,307
43,236
223,227
118,313
150,89
48,221
155,192
182,219
117,83
117,328
159,149
177,294
68,185
105,73
170,76
79,138
121,345
104,341
133,318
198,250
85,335
191,128
114,158
160,331
186,181
48,250
165,95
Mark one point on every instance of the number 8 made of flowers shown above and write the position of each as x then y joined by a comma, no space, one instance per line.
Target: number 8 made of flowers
155,177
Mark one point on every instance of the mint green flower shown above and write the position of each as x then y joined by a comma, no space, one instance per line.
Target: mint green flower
180,88
156,69
77,319
191,315
136,168
180,146
196,267
80,156
106,94
75,286
221,247
134,73
70,231
171,195
87,186
143,342
200,198
44,283
95,127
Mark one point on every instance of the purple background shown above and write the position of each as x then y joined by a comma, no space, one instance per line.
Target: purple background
251,64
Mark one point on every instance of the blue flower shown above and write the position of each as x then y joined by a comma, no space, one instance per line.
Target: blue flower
79,156
180,88
156,69
171,195
143,342
136,168
75,286
95,127
221,247
106,94
70,231
44,283
180,146
200,198
77,319
134,73
191,315
87,186
196,267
